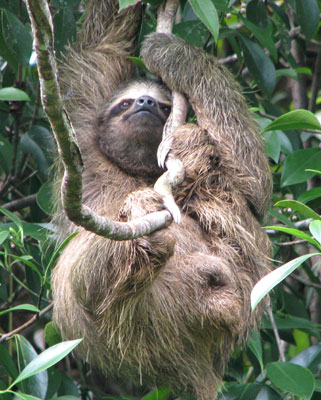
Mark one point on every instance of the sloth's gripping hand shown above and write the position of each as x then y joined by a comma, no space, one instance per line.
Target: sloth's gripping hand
160,244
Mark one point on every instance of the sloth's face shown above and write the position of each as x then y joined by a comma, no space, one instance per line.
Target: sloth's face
141,104
131,126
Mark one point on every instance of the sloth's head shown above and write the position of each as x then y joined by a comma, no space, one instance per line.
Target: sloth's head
130,126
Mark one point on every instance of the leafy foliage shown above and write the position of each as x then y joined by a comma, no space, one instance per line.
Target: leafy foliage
274,50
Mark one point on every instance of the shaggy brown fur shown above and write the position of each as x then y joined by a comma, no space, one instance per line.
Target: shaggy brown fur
169,308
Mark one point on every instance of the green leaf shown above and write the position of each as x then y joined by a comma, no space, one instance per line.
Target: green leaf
310,195
315,229
244,391
158,394
126,3
52,335
296,164
294,232
318,385
27,307
6,152
289,322
259,65
308,15
261,35
24,396
291,378
37,384
309,358
207,13
315,171
4,236
7,362
267,393
45,198
46,359
297,119
12,216
26,261
298,206
269,281
272,145
255,346
13,94
138,61
17,37
193,32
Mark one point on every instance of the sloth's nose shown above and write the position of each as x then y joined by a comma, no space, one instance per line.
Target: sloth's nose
146,102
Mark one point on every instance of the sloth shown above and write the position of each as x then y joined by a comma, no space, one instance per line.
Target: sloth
166,309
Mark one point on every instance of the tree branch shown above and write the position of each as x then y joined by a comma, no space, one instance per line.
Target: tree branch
68,149
30,322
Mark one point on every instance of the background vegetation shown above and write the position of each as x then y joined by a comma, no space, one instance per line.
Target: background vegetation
274,50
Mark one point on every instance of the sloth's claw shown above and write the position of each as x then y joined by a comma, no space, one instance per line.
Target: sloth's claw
171,206
163,187
163,150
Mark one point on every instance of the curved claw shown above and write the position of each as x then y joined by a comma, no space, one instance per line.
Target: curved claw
163,187
162,152
171,206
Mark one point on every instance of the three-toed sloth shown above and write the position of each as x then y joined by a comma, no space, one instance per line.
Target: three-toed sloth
168,308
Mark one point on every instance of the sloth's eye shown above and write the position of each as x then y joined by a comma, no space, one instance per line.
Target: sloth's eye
166,109
126,103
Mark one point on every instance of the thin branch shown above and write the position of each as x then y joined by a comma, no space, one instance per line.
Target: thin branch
306,282
315,82
20,203
68,149
30,322
276,333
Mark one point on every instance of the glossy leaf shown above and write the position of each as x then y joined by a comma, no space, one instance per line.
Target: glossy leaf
24,396
259,65
315,229
7,363
309,358
17,37
294,232
291,378
308,15
297,119
13,94
45,198
269,281
207,13
262,37
27,307
255,346
126,3
310,195
37,384
290,322
4,236
47,359
158,394
267,393
296,164
298,206
243,391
